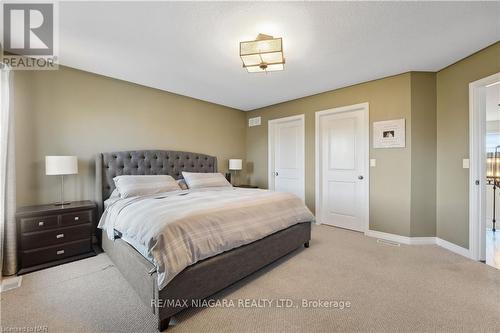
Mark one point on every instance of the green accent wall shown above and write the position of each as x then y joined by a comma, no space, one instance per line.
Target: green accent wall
420,190
390,180
452,85
72,112
423,154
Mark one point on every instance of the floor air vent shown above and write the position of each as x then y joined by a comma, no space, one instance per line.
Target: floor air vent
387,242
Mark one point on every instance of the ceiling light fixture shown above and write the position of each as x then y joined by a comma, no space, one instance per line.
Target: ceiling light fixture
265,54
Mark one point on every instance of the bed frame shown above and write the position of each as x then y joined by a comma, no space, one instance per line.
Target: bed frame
204,278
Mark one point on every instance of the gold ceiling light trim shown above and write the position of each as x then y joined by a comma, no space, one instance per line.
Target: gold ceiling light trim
262,55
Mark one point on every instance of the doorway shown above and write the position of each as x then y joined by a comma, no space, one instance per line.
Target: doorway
484,99
286,155
342,178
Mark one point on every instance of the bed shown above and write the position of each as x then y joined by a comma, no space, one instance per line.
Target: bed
205,277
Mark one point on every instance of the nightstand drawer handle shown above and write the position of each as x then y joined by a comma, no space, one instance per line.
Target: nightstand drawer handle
60,252
76,218
60,236
41,223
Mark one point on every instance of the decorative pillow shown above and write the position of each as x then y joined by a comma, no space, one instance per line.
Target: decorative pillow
132,186
201,179
182,184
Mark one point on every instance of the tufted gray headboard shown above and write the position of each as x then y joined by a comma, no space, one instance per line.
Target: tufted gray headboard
146,162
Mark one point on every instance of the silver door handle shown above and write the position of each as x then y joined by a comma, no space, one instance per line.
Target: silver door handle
60,236
360,177
41,223
60,252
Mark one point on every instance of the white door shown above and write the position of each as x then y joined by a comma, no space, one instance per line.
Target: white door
286,155
342,139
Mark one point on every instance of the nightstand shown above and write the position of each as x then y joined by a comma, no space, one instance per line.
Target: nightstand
246,186
50,235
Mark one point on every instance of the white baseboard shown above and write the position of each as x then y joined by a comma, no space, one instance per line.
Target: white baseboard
401,239
420,241
387,236
10,282
453,248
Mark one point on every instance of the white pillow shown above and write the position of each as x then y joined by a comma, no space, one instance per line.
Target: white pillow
201,179
115,194
132,186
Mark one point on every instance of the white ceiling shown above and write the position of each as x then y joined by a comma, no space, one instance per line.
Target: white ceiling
191,48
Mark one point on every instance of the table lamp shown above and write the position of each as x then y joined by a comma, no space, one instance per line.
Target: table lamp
61,166
235,165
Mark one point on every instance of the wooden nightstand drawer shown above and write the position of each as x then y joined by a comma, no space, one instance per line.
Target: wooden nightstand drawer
39,223
34,240
40,256
49,235
76,218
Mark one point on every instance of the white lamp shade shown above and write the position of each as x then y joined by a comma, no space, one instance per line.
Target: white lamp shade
235,164
61,165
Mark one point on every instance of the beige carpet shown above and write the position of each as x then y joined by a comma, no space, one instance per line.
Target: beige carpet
403,289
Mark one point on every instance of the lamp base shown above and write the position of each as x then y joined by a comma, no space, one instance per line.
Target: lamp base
62,203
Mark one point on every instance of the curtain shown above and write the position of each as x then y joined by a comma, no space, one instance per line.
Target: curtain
8,257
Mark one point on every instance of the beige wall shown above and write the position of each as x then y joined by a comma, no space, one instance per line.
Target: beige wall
26,166
70,112
428,191
390,180
423,154
453,141
74,112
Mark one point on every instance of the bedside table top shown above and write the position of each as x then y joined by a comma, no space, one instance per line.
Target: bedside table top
53,208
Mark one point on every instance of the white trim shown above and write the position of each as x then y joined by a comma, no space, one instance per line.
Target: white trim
477,171
317,168
270,150
401,239
420,241
10,282
387,236
454,248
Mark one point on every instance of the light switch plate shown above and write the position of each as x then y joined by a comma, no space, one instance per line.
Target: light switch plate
373,162
465,163
255,121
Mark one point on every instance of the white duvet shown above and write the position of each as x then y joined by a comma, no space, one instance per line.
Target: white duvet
177,229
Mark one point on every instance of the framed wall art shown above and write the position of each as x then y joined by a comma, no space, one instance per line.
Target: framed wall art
389,134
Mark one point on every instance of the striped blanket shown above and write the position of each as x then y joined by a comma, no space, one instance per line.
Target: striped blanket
177,229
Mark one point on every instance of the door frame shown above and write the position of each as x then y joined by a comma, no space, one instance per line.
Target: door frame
365,107
477,170
270,150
